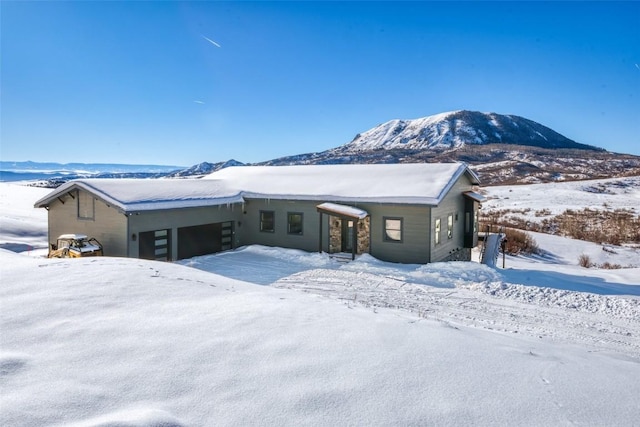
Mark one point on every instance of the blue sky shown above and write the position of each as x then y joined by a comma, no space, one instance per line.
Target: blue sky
138,82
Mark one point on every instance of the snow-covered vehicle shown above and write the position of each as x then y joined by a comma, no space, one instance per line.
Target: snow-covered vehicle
75,246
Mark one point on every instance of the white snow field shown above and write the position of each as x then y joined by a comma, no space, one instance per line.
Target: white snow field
556,197
269,336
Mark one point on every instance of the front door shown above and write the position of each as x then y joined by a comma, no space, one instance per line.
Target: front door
347,235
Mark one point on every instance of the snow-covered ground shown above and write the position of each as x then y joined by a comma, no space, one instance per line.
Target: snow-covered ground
614,193
268,336
22,228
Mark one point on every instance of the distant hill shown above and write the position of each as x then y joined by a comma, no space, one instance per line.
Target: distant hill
82,168
47,174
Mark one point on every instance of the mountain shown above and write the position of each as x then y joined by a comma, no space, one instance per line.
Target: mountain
203,168
502,149
456,129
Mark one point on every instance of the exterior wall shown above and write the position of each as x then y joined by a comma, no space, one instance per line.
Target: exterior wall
308,241
364,236
173,219
453,204
335,234
108,225
414,247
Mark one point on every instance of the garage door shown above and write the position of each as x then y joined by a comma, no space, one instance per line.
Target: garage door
204,239
155,245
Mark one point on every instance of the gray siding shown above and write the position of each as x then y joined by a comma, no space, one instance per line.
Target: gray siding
452,204
414,247
250,230
108,225
175,218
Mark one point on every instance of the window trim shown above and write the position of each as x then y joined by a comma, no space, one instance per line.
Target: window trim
450,226
385,235
289,215
437,229
273,221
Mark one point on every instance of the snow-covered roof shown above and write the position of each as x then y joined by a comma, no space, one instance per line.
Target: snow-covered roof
131,195
73,236
408,183
343,210
415,183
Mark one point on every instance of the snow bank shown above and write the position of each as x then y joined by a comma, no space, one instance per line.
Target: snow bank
127,342
22,228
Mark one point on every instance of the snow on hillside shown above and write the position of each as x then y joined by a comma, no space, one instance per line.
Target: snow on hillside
115,341
616,193
22,228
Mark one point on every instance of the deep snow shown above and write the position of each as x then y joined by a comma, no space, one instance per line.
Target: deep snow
127,342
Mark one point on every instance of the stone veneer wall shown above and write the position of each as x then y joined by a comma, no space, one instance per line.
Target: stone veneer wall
335,235
364,236
335,231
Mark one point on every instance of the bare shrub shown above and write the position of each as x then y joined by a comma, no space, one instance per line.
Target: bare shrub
613,227
519,242
585,261
608,266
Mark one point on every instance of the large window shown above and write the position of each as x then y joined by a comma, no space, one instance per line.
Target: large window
393,229
86,206
267,221
294,223
437,231
450,226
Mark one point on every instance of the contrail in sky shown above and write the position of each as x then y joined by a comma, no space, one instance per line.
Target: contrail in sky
210,41
198,102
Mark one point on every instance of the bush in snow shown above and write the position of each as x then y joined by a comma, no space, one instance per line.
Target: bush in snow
585,261
519,242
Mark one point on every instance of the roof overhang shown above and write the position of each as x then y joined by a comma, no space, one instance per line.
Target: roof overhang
476,197
342,211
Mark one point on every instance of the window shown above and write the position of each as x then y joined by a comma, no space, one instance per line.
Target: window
475,221
294,223
267,222
393,229
437,232
450,226
85,205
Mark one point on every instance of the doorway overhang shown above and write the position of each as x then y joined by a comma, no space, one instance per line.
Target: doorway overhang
343,212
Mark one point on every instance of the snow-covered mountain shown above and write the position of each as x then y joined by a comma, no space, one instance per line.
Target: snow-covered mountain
203,168
503,149
456,129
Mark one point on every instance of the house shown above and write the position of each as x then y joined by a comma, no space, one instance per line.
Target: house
408,213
